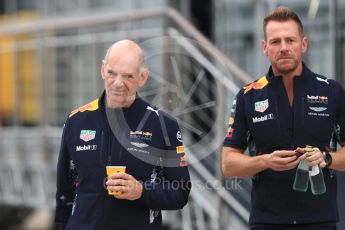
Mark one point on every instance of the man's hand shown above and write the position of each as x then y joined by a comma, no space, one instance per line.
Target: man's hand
130,188
315,158
281,160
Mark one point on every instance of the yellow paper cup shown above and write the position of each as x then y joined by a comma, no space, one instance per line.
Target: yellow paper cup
110,171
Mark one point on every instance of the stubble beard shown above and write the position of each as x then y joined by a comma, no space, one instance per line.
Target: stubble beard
284,68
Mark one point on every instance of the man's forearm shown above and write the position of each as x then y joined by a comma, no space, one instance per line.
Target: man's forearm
168,195
237,164
338,162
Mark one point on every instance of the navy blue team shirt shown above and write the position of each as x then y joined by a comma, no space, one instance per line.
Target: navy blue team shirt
263,120
144,139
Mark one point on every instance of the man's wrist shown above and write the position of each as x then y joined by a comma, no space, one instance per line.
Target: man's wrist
263,162
327,158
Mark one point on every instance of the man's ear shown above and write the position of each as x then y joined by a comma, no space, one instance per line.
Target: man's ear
143,76
264,46
304,44
103,69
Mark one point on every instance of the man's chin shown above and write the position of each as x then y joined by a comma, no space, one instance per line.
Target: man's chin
117,99
120,102
286,68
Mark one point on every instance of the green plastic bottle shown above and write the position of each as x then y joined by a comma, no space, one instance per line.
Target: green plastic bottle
317,182
302,177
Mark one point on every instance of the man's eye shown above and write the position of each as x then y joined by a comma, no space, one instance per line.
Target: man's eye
111,74
127,76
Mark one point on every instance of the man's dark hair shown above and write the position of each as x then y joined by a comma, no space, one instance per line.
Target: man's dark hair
282,14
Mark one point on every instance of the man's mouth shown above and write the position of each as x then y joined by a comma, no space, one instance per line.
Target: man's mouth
115,93
284,58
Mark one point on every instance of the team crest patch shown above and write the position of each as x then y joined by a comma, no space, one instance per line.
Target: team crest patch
261,106
87,135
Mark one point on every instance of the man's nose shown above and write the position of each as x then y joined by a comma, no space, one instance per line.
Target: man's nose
283,46
118,82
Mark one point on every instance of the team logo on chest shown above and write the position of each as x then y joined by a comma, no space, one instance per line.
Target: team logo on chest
87,135
142,135
317,99
261,106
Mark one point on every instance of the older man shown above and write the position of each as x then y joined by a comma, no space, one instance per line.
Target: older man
120,128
